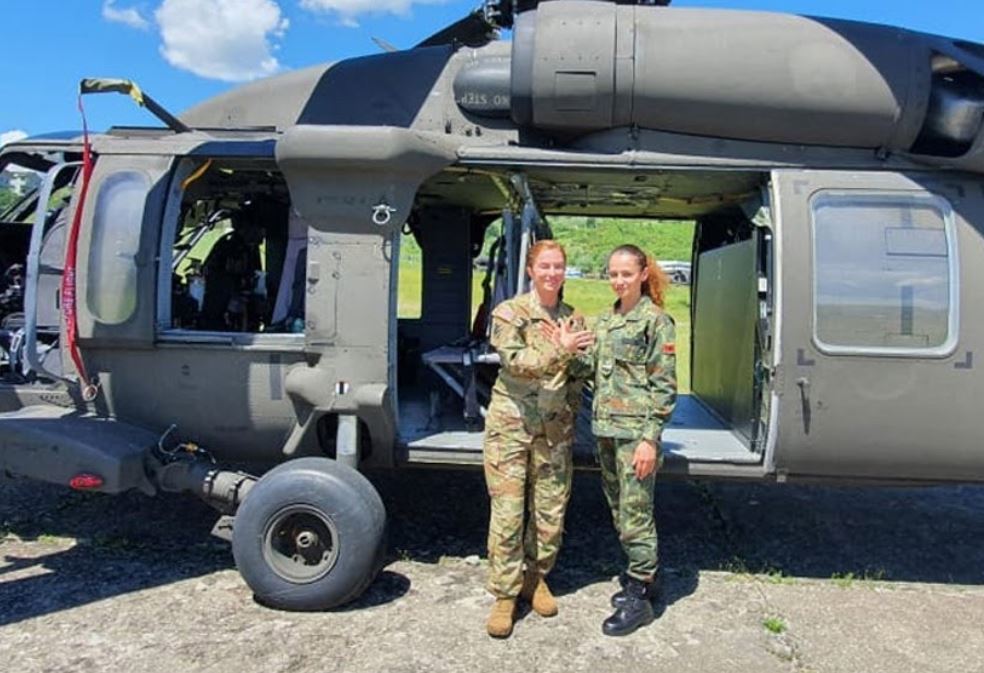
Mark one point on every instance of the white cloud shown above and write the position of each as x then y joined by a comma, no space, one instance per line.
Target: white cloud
348,10
11,136
229,40
129,16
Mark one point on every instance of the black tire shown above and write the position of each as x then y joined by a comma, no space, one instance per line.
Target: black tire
309,535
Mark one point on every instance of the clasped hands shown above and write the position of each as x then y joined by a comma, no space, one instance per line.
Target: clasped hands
567,336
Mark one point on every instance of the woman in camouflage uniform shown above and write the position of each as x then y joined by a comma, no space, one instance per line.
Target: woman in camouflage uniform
633,363
529,431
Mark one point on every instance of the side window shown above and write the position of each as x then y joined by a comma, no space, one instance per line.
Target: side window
236,265
884,273
112,289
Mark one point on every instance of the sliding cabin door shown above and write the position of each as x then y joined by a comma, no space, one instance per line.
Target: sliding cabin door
881,332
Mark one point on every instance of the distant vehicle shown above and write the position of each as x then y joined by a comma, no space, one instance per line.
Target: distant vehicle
204,300
573,272
679,272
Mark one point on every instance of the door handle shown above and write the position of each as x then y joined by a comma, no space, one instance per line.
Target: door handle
804,386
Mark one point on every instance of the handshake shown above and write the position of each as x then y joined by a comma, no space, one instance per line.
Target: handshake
568,334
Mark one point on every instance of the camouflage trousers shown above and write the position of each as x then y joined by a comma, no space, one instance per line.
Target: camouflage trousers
631,502
529,484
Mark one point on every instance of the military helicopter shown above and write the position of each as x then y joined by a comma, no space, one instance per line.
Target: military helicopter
209,298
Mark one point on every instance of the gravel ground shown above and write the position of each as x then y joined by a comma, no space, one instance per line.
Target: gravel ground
764,578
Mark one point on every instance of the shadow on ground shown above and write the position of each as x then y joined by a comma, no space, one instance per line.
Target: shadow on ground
85,547
131,542
910,534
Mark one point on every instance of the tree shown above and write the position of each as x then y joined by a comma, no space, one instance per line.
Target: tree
7,198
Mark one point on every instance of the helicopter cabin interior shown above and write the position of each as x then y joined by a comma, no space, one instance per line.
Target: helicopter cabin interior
472,228
46,203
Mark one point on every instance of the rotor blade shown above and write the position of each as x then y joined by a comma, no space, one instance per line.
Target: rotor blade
384,45
471,31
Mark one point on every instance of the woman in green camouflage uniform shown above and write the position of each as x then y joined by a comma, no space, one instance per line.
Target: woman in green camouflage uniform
529,432
633,363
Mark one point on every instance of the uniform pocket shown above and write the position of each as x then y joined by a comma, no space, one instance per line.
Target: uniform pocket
492,448
558,427
630,401
631,349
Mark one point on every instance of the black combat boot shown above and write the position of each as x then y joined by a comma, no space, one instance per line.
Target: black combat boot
618,598
636,610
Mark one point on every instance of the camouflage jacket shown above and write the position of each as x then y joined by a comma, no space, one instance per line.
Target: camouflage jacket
533,381
633,362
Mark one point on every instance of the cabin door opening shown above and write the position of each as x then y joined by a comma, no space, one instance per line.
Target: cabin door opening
463,252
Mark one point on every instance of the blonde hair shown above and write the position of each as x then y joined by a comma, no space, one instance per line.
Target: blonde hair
657,282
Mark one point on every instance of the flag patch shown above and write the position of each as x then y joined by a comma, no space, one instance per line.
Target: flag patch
669,349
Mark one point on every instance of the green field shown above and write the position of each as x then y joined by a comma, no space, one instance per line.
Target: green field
590,297
588,241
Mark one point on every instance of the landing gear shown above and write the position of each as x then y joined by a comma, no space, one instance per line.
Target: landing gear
310,535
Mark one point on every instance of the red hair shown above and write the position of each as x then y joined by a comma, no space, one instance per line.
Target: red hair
543,246
657,282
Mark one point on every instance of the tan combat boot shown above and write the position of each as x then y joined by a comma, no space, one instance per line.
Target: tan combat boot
536,591
500,623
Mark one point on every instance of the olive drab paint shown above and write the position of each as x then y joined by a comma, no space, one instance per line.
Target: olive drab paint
813,357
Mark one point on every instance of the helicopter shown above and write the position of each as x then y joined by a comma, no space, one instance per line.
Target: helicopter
210,305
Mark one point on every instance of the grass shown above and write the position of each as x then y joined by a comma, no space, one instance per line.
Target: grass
50,539
776,576
588,241
774,625
847,579
589,296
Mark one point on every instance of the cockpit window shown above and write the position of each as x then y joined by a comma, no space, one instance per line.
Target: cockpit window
234,262
112,288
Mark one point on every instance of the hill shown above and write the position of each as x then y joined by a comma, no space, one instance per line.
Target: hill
588,240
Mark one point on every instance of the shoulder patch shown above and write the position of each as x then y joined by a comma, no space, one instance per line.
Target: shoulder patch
504,311
669,348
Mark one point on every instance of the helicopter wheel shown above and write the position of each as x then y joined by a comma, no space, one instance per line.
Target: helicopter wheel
309,535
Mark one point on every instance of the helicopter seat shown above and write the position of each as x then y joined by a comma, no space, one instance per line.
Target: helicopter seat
230,273
289,304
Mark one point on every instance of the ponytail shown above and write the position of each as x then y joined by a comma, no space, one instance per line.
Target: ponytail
656,284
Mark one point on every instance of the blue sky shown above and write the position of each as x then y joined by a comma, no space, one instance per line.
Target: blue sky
183,51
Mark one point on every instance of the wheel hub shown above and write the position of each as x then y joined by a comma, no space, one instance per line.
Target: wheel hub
300,543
